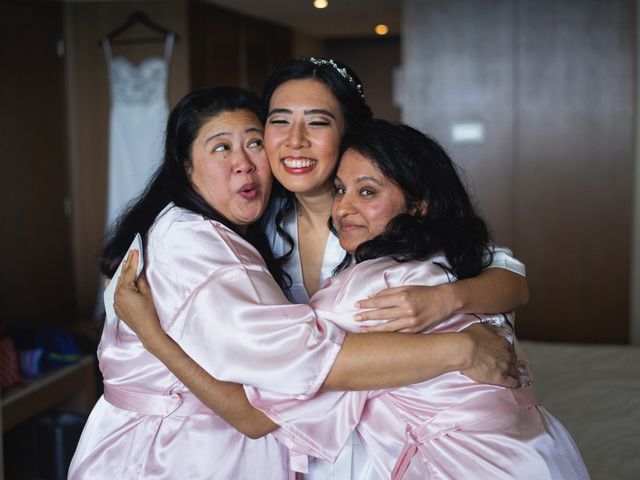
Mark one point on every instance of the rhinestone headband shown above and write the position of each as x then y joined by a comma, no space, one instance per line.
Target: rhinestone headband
342,71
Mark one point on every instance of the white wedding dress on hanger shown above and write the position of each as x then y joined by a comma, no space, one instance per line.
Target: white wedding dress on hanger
139,111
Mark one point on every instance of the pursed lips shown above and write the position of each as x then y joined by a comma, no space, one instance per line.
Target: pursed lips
249,190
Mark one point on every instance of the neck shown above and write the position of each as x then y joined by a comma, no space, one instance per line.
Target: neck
316,207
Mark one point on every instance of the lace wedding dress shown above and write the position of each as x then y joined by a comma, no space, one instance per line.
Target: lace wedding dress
139,112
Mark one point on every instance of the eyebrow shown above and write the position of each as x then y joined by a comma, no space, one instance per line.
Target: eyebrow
366,178
361,179
221,134
313,111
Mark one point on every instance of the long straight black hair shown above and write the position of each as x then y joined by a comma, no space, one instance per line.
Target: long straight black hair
421,168
171,183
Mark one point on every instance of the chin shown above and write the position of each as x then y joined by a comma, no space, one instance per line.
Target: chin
304,184
350,246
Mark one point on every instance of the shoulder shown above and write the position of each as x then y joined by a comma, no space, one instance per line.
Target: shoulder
503,258
369,277
431,271
186,240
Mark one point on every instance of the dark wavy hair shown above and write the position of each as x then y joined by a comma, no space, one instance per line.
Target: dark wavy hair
427,176
171,183
353,106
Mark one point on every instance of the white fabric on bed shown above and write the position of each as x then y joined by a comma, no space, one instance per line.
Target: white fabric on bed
594,390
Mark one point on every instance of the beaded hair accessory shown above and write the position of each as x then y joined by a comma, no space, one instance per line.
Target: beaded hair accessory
342,71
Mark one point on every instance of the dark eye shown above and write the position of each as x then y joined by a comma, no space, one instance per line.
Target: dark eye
366,192
278,121
255,143
340,190
223,147
319,123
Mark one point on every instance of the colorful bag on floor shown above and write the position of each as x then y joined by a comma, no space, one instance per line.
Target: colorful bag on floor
9,371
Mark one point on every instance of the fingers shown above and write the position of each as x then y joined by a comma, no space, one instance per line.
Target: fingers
132,262
384,313
124,269
129,269
404,325
381,300
386,307
510,382
377,302
143,285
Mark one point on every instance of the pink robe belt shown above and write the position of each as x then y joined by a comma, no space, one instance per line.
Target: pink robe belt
480,408
178,404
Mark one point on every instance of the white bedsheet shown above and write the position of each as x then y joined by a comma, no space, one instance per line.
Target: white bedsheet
594,390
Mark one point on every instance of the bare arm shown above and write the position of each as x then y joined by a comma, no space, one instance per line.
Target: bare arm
225,398
387,360
414,307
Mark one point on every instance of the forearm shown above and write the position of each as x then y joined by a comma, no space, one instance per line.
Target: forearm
494,290
224,398
386,360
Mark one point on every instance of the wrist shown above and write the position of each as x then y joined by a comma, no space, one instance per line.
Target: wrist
153,340
452,301
464,351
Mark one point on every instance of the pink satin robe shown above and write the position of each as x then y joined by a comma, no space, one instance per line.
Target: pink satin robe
215,297
447,428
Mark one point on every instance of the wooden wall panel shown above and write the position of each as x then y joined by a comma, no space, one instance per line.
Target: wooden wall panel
458,65
268,47
575,75
36,276
89,104
553,83
374,60
215,45
228,48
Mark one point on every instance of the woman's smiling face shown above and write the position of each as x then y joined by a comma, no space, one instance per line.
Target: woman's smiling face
302,135
365,200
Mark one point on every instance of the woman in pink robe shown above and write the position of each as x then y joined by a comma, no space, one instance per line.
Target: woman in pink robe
205,258
394,187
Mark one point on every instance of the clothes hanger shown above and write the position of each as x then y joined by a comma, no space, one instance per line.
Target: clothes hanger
137,17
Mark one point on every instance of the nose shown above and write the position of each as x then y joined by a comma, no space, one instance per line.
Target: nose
342,206
243,163
297,136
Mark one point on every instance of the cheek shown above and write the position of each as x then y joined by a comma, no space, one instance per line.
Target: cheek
334,211
331,148
271,138
381,214
271,151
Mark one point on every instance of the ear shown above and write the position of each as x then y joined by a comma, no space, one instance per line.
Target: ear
419,209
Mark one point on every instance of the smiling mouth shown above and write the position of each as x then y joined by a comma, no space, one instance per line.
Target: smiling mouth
349,227
299,163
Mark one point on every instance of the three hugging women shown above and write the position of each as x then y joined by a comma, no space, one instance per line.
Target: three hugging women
216,374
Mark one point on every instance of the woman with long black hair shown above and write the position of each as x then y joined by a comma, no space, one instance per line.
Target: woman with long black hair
216,296
403,215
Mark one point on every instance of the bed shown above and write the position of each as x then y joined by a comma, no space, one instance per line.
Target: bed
594,390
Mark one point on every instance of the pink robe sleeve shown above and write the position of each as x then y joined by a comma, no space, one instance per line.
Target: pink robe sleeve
321,425
234,320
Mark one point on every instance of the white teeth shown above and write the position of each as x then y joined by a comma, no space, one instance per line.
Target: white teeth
291,163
